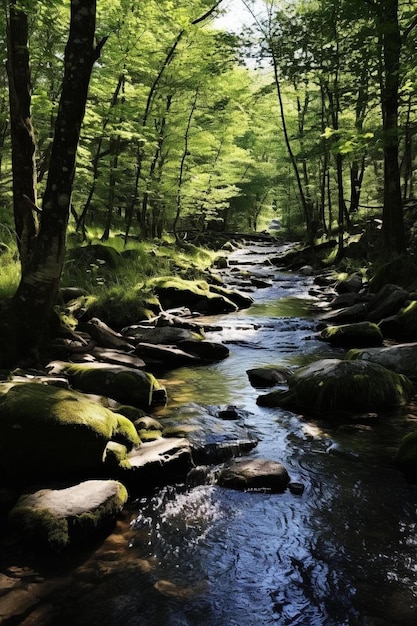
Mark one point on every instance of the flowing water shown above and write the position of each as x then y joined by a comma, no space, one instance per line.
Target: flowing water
344,552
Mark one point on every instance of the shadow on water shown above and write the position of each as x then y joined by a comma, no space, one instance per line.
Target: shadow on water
341,554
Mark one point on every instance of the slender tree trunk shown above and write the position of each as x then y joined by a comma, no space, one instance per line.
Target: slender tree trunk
304,203
182,167
26,323
22,134
392,214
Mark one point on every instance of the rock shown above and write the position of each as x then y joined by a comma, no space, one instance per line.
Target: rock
345,300
124,384
72,293
96,254
156,463
267,376
348,315
212,439
241,300
105,336
403,326
400,270
260,283
196,295
56,517
332,385
166,357
360,335
167,335
48,431
205,350
351,284
401,358
386,302
116,357
254,474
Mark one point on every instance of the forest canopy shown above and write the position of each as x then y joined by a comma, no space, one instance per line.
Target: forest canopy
176,125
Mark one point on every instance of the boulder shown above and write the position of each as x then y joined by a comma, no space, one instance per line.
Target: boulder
333,385
167,335
164,356
347,315
268,376
105,336
401,358
254,474
155,463
360,335
242,301
196,295
124,384
56,517
350,284
106,355
403,325
205,350
46,431
388,301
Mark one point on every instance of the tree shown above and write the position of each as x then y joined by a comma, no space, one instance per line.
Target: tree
25,321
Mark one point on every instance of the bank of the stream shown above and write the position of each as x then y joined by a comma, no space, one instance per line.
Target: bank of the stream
341,553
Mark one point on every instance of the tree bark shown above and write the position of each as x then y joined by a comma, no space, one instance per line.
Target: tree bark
22,134
392,214
26,323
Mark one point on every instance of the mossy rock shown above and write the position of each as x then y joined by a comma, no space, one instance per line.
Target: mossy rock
401,270
401,358
47,431
56,517
174,291
359,335
333,385
403,326
96,253
124,384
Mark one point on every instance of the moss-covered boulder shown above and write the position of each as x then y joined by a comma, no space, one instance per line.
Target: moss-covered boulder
173,292
406,457
359,335
124,384
401,270
403,325
56,517
47,431
333,385
401,358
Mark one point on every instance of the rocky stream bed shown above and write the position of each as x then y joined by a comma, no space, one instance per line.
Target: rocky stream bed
243,463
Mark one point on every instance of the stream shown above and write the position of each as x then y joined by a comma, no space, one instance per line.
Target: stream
344,552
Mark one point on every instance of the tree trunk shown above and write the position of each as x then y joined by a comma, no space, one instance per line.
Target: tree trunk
22,134
27,321
390,36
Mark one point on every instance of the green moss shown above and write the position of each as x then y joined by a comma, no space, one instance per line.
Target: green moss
114,454
333,385
150,435
362,334
125,433
46,430
46,525
126,385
